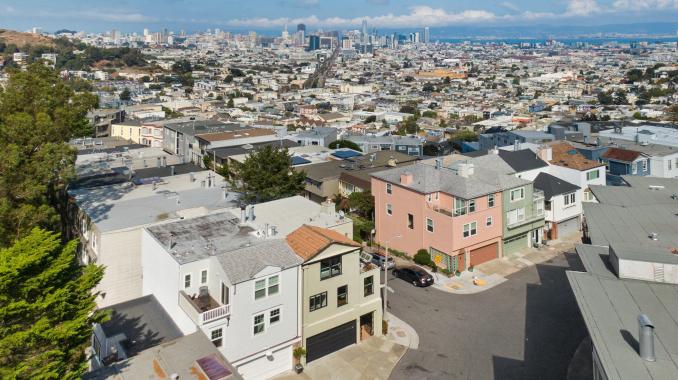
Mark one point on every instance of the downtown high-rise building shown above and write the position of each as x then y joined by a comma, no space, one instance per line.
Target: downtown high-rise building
365,36
427,35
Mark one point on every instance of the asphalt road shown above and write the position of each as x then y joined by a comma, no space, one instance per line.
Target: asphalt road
526,328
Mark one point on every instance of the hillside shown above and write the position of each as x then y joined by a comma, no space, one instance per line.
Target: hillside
21,39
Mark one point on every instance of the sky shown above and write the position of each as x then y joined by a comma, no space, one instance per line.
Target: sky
194,15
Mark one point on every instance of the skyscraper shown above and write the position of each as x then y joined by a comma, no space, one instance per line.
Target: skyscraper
313,43
301,28
427,35
364,36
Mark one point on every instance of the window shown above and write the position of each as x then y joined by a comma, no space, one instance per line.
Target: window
515,216
410,221
317,301
459,207
670,165
342,295
389,209
488,221
330,267
224,294
517,194
273,286
588,196
490,200
634,168
260,289
203,276
438,193
258,324
570,199
470,229
389,188
590,176
429,225
187,281
274,316
645,165
429,197
216,336
472,205
368,286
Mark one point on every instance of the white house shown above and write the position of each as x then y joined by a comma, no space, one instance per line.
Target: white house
569,165
562,206
234,283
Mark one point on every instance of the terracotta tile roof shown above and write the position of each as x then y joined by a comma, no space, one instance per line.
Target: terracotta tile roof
308,241
619,154
568,156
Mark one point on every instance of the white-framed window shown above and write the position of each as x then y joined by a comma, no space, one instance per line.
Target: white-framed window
515,216
187,281
459,206
203,276
389,209
588,196
517,194
217,337
438,192
490,200
670,165
274,316
644,165
634,168
429,197
266,287
569,199
389,188
259,324
471,205
488,221
429,224
594,174
470,229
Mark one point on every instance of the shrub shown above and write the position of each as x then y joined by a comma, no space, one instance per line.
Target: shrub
299,352
446,272
434,267
422,257
384,327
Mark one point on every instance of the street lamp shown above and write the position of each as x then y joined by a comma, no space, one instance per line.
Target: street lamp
386,275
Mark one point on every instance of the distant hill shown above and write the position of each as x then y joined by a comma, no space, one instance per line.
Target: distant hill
21,39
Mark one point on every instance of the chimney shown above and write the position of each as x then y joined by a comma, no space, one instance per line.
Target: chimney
646,338
406,178
158,162
545,153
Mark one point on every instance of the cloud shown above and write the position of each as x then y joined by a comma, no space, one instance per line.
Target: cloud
509,6
100,15
582,8
640,5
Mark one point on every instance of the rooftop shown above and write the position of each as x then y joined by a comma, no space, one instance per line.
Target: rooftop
664,135
567,156
308,241
552,186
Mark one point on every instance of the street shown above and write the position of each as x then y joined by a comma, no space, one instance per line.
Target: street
526,328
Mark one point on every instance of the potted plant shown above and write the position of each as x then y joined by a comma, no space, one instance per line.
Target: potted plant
470,268
457,273
298,353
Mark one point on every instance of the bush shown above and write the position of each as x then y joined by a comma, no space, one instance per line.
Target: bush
384,327
446,272
434,267
299,352
422,257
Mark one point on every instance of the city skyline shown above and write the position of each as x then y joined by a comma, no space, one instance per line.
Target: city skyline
97,16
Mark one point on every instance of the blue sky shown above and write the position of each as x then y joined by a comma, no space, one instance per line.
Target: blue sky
127,15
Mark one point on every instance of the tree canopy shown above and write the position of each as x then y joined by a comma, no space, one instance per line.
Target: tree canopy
344,144
267,175
39,113
46,308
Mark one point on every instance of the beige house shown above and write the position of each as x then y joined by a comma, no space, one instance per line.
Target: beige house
341,301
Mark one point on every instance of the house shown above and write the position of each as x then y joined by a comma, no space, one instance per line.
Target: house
179,135
140,340
562,205
224,155
488,141
108,221
356,177
321,136
102,119
412,146
235,284
455,212
568,164
240,136
340,296
620,161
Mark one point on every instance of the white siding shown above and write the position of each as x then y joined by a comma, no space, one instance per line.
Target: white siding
119,253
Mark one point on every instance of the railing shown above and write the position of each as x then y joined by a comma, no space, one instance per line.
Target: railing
532,218
439,209
202,317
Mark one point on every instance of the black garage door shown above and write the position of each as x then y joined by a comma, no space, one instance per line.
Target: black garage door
329,341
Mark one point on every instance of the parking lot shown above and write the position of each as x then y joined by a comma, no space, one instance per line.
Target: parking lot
526,328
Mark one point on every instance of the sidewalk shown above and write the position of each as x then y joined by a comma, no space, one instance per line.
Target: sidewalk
373,358
467,282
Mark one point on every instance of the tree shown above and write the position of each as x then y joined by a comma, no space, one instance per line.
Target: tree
182,67
344,144
673,113
47,308
370,119
362,202
126,94
39,113
267,175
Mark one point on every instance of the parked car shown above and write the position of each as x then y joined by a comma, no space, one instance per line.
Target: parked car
415,275
382,261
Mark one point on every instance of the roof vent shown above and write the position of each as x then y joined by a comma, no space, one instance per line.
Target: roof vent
656,187
654,236
646,338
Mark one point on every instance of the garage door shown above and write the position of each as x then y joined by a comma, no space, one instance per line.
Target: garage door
266,367
568,227
329,341
515,244
483,254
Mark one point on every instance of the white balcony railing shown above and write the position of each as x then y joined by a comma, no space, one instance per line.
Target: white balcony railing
202,317
212,315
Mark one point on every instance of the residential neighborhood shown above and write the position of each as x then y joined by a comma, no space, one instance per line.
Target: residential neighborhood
439,194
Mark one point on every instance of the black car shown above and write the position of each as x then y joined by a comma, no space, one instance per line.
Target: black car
414,275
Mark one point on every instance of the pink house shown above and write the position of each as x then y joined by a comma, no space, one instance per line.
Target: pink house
455,213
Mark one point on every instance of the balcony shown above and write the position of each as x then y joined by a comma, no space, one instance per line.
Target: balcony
526,219
438,209
203,309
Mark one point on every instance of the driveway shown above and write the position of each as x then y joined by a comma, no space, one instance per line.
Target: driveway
526,328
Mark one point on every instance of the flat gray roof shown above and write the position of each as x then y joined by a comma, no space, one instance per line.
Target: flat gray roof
610,308
596,260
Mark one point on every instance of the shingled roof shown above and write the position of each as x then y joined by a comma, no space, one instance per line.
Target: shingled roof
308,241
618,154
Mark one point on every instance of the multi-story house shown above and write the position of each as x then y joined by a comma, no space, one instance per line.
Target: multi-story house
563,206
235,284
412,146
619,161
320,136
455,212
568,164
340,296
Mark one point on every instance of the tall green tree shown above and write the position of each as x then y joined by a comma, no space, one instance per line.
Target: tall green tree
46,308
266,175
39,113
